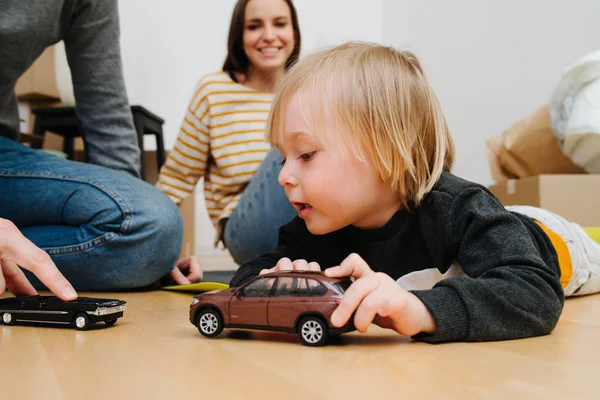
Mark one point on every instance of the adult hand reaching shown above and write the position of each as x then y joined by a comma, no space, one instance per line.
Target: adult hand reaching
187,270
16,250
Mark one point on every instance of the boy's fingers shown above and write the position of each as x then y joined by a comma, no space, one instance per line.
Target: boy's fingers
393,304
300,265
313,266
352,299
15,280
368,309
285,264
353,265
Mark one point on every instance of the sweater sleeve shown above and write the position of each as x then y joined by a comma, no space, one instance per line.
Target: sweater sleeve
186,164
94,56
509,292
287,247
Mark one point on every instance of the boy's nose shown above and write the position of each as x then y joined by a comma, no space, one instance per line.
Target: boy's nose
286,178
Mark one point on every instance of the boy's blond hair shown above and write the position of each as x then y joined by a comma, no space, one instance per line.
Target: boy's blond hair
380,96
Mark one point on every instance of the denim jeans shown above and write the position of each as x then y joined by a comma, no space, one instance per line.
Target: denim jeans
104,229
253,227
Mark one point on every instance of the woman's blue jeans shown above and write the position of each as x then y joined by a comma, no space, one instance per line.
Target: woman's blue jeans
104,229
253,227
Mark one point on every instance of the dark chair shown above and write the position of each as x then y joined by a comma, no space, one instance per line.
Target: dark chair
64,122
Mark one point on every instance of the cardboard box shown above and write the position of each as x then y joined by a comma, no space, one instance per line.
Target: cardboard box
38,83
528,148
574,197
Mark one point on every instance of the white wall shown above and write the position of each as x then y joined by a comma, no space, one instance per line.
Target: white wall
167,46
491,62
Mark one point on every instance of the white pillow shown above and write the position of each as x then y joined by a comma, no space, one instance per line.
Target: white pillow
575,112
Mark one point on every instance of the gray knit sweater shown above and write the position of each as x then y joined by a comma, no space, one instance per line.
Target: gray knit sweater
90,30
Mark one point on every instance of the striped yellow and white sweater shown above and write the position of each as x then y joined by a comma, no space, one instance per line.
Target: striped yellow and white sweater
221,139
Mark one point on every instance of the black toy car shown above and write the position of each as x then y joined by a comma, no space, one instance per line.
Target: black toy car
80,313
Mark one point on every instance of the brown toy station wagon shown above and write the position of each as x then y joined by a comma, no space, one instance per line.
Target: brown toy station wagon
289,301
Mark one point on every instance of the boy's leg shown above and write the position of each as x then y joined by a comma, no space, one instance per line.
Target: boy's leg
104,229
253,227
584,252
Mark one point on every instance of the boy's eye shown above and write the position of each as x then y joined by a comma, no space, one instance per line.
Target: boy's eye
282,162
307,156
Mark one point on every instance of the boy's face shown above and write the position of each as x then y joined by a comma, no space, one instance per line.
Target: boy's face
329,188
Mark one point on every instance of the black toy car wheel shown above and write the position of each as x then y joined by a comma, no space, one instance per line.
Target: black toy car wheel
81,321
8,319
313,331
209,322
110,322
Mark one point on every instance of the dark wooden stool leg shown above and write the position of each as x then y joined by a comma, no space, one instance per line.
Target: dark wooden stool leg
139,128
160,150
68,146
39,132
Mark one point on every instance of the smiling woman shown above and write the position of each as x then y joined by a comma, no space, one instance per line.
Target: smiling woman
222,136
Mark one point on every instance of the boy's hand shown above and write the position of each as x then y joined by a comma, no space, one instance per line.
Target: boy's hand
379,299
285,264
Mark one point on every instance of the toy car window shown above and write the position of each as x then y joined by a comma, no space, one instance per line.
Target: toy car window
342,286
259,288
291,286
316,288
285,286
302,290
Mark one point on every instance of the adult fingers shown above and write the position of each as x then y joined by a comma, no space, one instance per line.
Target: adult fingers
195,271
183,262
15,280
2,283
24,253
179,277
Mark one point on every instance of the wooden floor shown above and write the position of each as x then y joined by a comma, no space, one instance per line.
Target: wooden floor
154,352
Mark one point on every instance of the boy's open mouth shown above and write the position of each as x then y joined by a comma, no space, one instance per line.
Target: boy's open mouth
301,206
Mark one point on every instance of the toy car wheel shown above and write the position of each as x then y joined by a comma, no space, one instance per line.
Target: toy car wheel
209,322
82,321
110,322
313,331
8,319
